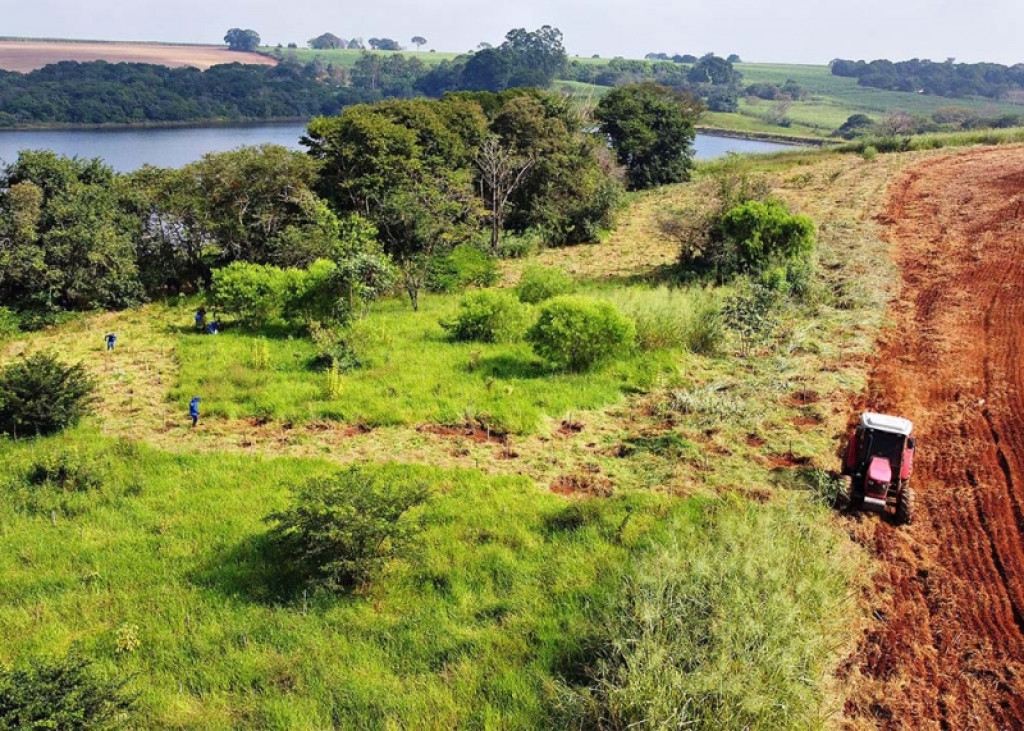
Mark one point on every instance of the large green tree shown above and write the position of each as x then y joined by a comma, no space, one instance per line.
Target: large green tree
652,130
405,166
570,192
239,39
65,240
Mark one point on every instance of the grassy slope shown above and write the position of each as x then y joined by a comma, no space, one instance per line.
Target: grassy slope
499,601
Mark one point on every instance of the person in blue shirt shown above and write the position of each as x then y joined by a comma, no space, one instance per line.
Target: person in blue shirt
201,319
193,410
111,340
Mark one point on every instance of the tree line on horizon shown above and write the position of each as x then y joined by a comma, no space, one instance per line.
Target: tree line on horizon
99,92
948,78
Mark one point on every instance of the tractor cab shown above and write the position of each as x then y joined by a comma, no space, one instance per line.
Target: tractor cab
878,462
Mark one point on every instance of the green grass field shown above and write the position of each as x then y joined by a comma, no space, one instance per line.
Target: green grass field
653,547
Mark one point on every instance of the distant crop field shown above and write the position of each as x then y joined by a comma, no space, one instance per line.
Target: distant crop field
28,55
347,57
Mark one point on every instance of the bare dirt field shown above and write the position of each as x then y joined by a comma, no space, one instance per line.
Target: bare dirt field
25,56
945,646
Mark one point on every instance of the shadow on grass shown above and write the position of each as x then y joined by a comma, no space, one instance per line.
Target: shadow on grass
509,366
272,331
254,570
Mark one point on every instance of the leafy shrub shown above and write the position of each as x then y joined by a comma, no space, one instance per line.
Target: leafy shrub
764,232
869,153
578,332
251,292
488,316
539,283
340,530
520,246
40,395
10,323
324,292
63,694
465,266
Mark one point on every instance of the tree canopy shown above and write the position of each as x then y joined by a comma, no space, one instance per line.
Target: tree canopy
242,40
652,130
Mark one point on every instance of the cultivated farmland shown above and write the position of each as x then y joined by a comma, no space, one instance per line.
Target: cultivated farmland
27,55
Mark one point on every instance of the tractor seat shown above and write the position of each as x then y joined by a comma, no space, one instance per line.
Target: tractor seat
880,470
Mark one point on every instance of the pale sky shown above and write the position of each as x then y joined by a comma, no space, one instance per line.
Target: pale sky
790,31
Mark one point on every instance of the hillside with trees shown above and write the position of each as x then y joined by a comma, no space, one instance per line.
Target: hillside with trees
951,79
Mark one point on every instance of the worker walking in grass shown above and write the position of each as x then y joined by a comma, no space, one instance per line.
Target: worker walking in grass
111,340
193,410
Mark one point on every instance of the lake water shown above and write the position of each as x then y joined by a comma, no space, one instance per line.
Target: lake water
129,149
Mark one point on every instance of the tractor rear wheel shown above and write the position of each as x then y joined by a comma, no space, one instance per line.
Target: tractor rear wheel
855,493
905,505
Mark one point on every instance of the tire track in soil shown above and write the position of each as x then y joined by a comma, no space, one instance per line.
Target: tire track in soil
945,646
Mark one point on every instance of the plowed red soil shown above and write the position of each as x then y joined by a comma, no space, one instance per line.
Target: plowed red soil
945,648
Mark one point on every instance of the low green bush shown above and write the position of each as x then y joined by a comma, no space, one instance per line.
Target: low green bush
64,694
465,266
488,316
539,283
520,246
341,530
10,323
40,395
576,333
764,232
752,312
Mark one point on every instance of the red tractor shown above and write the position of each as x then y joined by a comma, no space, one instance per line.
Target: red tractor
878,462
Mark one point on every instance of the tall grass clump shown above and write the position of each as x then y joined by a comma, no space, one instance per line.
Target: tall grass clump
731,626
673,318
710,405
539,283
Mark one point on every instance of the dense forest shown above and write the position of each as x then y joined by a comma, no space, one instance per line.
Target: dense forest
388,191
948,78
98,92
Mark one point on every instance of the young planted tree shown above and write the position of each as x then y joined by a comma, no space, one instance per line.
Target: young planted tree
341,530
40,395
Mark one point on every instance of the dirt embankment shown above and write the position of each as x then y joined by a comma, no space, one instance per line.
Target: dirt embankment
26,56
945,647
